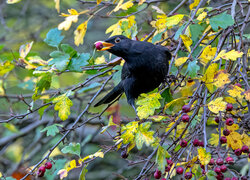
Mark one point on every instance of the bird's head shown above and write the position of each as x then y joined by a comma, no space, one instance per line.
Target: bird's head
117,45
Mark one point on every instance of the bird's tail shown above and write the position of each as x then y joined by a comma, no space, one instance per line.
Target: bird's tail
118,90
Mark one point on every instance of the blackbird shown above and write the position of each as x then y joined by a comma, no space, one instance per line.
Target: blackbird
145,67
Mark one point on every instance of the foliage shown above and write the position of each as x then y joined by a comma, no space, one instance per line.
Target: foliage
48,115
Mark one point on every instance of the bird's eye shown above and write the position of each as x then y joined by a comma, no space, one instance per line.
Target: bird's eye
117,40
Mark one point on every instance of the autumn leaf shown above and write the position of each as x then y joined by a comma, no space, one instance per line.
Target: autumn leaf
57,5
245,139
124,6
70,18
12,1
207,54
161,158
232,55
202,16
187,41
236,92
234,140
203,156
194,4
25,49
80,33
6,67
214,140
100,60
232,128
208,77
148,104
221,78
111,123
98,1
217,105
129,131
174,20
180,61
143,135
62,105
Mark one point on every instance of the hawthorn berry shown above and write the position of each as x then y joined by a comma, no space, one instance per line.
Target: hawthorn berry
201,143
227,178
237,152
211,162
179,170
167,168
220,176
98,45
163,179
185,108
41,171
229,107
245,149
223,168
188,175
48,165
217,119
185,118
219,161
226,132
196,142
183,143
157,174
223,139
243,178
235,178
238,84
229,160
217,170
249,155
229,121
124,154
170,162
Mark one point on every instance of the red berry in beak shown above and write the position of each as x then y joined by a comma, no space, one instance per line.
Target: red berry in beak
98,45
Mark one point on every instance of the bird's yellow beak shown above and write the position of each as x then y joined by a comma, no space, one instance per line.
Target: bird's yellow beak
103,46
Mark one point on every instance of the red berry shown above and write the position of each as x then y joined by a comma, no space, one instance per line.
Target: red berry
183,143
211,162
124,154
237,152
167,168
201,144
185,108
41,171
245,149
48,165
249,155
229,121
196,142
226,132
223,168
98,45
217,170
243,178
163,179
188,175
220,176
202,166
229,160
219,161
157,174
238,84
223,139
229,107
170,162
227,178
179,170
235,178
217,119
185,118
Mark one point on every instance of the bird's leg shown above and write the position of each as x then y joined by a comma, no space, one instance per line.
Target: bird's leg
131,101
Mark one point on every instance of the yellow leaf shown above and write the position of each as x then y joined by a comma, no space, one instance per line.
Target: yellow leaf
232,55
14,151
111,123
174,20
245,139
203,156
180,61
129,131
214,140
124,6
100,60
130,146
236,92
57,5
157,118
234,140
98,1
148,104
5,67
194,4
232,128
207,54
221,78
66,24
247,94
202,16
97,154
174,102
217,105
62,105
25,49
63,173
208,77
54,153
229,99
71,165
80,33
143,135
221,53
12,1
141,2
187,41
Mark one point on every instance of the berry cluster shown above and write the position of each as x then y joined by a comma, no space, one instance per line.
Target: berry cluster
42,169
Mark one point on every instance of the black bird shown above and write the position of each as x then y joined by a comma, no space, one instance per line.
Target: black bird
145,67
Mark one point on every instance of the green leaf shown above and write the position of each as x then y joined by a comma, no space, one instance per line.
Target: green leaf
52,130
1,46
179,32
72,149
222,20
157,37
211,175
62,105
83,173
68,49
117,75
193,68
90,87
60,60
77,63
43,84
53,37
161,158
196,31
41,110
143,135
